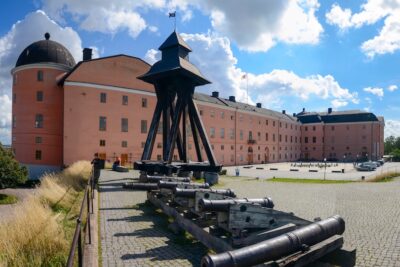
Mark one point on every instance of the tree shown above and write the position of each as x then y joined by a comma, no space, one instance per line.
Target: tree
396,154
11,172
391,143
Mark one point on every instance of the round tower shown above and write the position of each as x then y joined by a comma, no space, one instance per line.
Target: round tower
37,108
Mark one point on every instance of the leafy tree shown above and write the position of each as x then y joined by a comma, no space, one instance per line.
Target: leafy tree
11,172
396,154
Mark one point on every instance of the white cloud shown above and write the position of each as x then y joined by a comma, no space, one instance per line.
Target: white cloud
392,88
392,127
372,11
103,15
375,91
213,56
152,56
23,33
258,25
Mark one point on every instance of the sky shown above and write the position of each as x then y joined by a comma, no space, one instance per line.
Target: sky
285,54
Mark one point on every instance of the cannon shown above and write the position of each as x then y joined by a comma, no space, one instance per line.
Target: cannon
172,185
223,205
191,193
275,248
141,186
156,179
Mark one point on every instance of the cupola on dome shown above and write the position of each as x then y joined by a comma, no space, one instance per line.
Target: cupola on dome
45,51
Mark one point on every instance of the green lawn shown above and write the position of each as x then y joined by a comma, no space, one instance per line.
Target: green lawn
7,199
308,181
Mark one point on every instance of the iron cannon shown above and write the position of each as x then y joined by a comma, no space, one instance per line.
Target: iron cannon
191,193
275,248
223,205
172,185
156,179
141,186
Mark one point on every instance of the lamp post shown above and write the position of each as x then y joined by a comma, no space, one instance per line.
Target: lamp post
325,169
366,156
344,160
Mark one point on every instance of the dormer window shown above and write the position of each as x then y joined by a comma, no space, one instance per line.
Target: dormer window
40,75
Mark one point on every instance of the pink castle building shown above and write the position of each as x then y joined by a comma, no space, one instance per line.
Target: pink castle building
63,112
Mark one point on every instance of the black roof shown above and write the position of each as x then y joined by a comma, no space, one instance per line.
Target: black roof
44,51
173,40
337,116
174,63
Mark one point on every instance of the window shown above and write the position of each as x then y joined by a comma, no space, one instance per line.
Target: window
102,123
273,123
241,134
250,135
266,122
266,136
158,157
291,139
144,102
160,128
273,137
39,96
142,144
232,117
175,157
212,132
159,145
14,98
240,117
306,128
222,147
39,121
125,100
286,125
103,97
231,133
313,128
280,124
212,114
280,138
38,139
38,154
124,143
14,121
232,147
124,125
201,112
15,76
314,139
143,126
259,136
347,127
102,142
333,128
222,115
306,140
286,138
222,133
40,75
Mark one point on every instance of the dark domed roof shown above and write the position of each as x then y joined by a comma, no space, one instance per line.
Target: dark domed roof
45,51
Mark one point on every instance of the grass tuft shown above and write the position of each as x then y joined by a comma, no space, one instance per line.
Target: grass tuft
41,228
385,177
7,199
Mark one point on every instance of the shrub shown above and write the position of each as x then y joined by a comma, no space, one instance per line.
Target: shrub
11,173
223,172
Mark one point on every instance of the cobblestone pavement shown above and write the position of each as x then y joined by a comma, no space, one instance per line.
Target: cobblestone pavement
133,235
371,211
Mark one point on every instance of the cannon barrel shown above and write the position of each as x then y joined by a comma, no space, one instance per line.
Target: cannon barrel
191,193
156,179
223,205
141,186
278,247
172,185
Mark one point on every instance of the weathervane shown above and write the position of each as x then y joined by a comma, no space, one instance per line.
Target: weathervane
173,15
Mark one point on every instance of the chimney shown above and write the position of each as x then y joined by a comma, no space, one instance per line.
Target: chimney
259,105
232,98
283,111
304,109
215,94
329,110
294,114
87,54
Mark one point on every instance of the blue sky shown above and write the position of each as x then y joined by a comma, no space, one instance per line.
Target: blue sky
294,53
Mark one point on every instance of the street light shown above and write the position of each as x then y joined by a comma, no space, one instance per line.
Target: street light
325,169
344,160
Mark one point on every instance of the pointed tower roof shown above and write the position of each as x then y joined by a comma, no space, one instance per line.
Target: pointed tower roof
174,63
174,40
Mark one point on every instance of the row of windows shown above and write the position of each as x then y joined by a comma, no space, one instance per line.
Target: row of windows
314,139
39,97
124,124
241,117
123,143
103,99
250,135
39,77
332,127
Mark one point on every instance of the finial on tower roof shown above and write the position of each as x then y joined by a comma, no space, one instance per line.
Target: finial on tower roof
47,36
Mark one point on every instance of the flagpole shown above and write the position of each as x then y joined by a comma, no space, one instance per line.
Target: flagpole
247,87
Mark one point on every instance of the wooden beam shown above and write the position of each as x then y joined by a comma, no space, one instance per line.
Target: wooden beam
195,137
151,136
178,138
174,128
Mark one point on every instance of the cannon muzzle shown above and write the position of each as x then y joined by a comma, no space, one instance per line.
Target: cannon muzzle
223,205
172,185
278,247
191,193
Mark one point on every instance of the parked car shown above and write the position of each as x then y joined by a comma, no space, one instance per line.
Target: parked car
381,161
366,166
